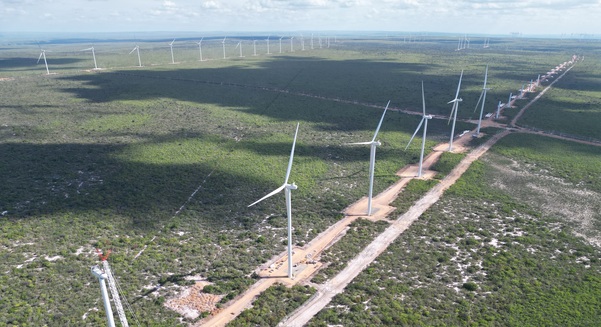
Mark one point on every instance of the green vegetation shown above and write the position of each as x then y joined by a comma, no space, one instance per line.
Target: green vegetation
446,163
273,305
412,192
159,163
360,233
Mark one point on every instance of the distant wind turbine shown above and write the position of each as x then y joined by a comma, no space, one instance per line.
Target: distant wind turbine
268,44
239,45
287,188
171,46
483,98
453,114
281,44
137,48
200,47
291,44
254,47
311,41
223,44
424,121
302,43
43,55
93,56
372,159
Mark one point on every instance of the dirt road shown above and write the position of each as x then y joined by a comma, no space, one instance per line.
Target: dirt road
337,284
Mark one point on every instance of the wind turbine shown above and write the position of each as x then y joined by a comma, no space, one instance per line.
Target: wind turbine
372,159
302,43
291,44
287,188
171,46
453,114
483,98
137,48
281,44
43,54
200,47
509,101
239,45
223,44
268,44
93,56
311,41
425,119
254,47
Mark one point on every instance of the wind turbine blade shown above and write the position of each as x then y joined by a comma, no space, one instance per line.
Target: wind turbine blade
452,111
172,42
479,99
416,130
40,57
132,51
88,49
360,143
380,123
274,192
459,86
291,155
423,100
485,76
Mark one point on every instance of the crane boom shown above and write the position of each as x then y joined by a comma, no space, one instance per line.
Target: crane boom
115,293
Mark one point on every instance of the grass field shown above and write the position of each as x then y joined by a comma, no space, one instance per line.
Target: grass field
107,159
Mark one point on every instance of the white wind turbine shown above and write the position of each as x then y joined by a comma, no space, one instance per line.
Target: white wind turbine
171,46
223,44
93,56
43,54
254,47
281,44
483,98
372,159
239,45
268,44
137,48
311,41
200,47
453,114
425,119
302,43
287,188
292,44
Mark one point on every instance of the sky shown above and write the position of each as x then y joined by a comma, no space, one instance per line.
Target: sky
495,17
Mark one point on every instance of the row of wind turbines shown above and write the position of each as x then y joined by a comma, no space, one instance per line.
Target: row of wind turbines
320,43
373,143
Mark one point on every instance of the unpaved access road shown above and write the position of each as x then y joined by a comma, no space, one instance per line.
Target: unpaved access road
337,284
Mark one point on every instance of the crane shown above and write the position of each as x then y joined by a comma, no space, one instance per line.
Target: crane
105,274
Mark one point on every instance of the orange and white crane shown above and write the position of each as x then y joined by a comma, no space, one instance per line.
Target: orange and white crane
105,274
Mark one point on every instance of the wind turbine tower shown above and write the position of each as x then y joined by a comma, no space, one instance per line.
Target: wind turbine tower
424,121
483,98
372,159
302,43
292,44
43,54
453,114
311,41
287,188
171,46
93,56
268,44
223,44
281,44
137,48
509,101
200,47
